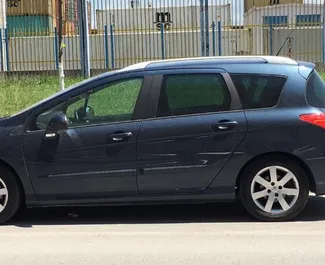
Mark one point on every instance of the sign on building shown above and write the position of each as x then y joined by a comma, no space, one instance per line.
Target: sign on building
163,18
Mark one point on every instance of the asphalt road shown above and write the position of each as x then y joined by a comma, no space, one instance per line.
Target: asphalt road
192,234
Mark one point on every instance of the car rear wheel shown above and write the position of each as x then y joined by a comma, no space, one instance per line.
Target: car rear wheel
10,195
274,189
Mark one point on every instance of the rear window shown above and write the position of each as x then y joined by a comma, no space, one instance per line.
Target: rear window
258,91
316,91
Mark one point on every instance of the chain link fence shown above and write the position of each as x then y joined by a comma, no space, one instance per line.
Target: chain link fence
124,32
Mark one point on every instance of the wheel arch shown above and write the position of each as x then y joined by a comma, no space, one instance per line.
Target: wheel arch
292,157
6,165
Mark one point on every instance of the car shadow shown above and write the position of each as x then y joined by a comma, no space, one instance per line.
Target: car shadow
198,213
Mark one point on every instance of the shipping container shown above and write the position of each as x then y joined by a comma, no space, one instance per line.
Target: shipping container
176,17
70,10
69,28
89,16
34,25
30,7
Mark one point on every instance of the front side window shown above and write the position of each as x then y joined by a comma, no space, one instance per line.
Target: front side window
258,91
193,94
113,103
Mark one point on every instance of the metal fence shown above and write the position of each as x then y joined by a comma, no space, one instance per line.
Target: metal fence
124,32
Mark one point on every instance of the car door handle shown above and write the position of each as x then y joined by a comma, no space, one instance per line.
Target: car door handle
117,137
226,125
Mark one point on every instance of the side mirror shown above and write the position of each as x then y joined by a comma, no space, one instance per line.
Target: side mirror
58,122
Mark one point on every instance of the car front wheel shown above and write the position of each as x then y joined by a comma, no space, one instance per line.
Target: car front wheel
10,195
274,189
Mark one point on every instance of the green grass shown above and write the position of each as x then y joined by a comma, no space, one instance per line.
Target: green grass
323,75
17,94
118,99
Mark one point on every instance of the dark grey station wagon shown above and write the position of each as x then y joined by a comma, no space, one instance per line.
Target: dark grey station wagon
174,131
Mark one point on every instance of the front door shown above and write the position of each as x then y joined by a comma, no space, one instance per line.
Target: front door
95,156
196,127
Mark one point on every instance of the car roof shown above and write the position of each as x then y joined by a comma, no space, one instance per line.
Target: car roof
210,61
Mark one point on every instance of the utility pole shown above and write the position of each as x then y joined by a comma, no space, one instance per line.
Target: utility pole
202,27
207,29
84,38
3,29
61,46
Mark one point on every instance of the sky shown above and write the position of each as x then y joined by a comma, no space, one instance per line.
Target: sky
237,5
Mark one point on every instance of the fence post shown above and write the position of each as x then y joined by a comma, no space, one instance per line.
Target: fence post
162,30
56,48
7,49
219,38
106,48
214,38
1,50
207,29
112,46
271,38
202,28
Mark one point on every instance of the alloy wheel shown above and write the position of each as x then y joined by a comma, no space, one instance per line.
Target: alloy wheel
3,195
275,189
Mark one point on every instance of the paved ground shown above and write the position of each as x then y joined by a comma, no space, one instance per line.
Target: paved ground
190,235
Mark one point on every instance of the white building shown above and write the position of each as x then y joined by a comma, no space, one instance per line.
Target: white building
301,22
177,17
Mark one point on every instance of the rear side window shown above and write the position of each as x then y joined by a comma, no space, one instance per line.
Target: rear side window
193,94
316,91
258,91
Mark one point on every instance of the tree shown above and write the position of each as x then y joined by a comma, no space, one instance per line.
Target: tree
61,45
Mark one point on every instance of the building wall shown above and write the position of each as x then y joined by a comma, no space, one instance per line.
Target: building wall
255,15
255,20
182,17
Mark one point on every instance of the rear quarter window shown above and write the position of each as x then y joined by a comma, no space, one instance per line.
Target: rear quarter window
315,92
258,91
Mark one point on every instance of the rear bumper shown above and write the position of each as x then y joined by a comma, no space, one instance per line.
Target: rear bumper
320,188
317,168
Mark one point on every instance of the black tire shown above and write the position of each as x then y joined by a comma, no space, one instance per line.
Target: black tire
14,194
248,176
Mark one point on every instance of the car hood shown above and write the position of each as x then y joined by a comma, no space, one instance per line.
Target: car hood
3,119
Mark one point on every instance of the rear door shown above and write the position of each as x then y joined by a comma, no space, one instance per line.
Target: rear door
193,127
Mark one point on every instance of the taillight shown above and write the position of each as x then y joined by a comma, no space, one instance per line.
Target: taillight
317,119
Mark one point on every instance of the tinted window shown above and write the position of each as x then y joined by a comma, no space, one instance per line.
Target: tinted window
193,93
316,91
257,91
114,103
